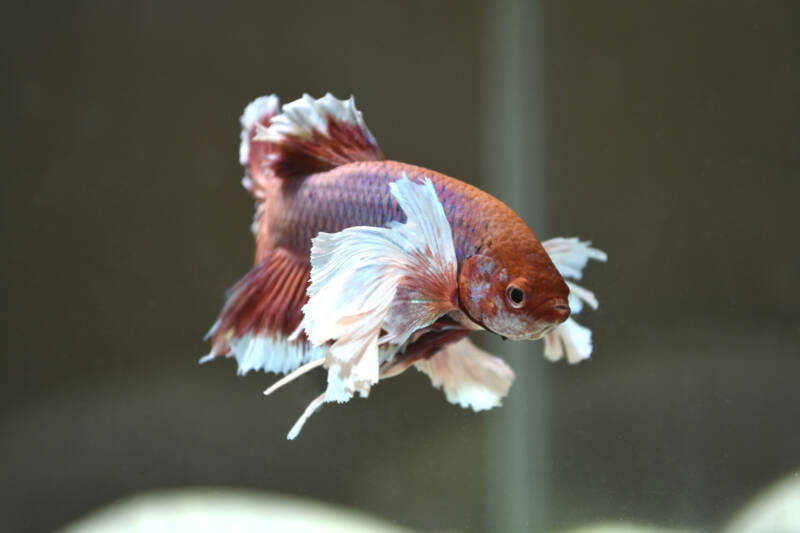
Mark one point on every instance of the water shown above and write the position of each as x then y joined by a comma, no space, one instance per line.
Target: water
665,134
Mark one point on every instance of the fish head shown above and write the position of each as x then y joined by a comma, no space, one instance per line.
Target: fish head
518,295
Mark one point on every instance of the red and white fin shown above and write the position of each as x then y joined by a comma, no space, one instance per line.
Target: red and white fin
386,353
260,312
252,153
363,280
570,256
313,135
259,111
469,376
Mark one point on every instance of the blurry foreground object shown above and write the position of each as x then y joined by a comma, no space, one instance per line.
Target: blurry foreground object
776,510
366,266
622,527
217,510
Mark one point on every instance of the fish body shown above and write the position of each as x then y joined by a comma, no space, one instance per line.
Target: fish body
357,194
367,266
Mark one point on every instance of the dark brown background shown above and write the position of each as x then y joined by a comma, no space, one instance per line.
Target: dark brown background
670,139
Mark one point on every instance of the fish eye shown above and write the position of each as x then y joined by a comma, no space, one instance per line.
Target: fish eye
515,296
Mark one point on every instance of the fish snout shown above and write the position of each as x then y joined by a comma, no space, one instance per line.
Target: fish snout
555,311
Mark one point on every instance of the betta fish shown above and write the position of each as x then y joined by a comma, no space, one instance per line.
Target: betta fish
366,266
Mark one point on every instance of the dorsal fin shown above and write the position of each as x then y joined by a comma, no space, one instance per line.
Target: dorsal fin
252,154
311,136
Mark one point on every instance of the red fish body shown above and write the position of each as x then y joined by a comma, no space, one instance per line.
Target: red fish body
357,194
367,266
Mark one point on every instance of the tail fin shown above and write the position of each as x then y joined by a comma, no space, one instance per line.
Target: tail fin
302,137
307,136
261,310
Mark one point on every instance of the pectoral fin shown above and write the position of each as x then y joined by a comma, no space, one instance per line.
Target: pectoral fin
365,281
570,256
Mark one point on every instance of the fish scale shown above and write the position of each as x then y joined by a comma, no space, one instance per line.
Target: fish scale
358,194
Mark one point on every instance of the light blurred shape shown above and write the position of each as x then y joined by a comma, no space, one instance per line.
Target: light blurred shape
774,510
624,527
202,510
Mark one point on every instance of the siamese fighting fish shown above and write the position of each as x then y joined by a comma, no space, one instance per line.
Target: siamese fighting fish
365,266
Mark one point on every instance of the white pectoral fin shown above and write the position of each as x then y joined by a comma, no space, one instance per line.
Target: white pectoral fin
429,264
356,275
350,293
469,376
571,337
570,256
578,296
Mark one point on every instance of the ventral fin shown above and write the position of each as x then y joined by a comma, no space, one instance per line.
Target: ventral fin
469,376
443,332
261,310
314,135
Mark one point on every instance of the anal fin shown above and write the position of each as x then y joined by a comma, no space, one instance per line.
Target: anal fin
423,347
260,312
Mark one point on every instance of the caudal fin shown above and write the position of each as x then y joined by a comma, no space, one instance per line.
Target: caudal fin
261,310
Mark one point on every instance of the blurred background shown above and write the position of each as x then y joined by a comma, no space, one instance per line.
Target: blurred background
665,132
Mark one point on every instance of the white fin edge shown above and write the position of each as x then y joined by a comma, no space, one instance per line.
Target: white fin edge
255,110
355,276
469,376
305,116
272,353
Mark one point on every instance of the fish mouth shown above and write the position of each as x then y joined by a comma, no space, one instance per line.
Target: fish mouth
553,312
550,315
